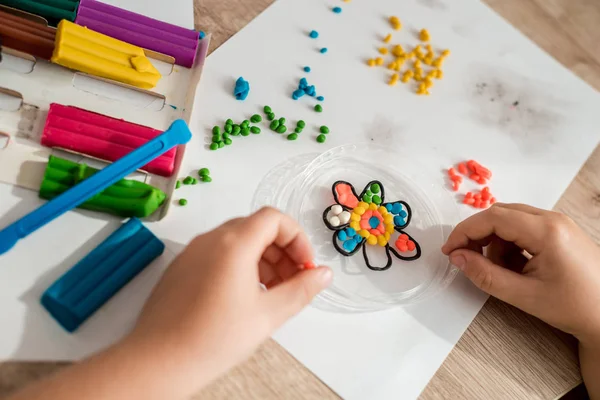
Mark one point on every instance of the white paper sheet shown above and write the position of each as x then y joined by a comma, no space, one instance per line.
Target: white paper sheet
534,151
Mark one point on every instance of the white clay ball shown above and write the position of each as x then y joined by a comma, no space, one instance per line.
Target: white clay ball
336,210
334,221
344,217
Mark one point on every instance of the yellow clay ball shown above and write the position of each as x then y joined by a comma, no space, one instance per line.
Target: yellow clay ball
381,240
359,210
364,233
354,217
355,225
372,240
372,206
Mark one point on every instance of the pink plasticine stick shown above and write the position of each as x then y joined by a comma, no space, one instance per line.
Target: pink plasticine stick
103,137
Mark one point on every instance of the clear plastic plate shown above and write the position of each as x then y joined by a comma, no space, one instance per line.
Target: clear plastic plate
302,187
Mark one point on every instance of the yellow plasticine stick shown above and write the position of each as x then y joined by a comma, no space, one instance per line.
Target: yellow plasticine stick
84,50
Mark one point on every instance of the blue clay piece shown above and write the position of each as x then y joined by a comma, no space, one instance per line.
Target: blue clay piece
337,10
389,207
349,245
306,69
350,232
303,83
201,35
397,207
320,98
314,34
297,94
373,222
399,221
242,88
403,214
342,236
324,50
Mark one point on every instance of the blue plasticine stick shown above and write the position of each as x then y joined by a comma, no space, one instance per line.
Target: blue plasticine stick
81,291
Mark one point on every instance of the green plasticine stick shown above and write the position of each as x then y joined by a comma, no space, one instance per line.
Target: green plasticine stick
52,10
126,198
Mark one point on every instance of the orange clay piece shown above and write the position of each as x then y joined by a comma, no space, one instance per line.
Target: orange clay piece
462,168
492,200
345,195
469,200
469,195
474,177
371,62
485,204
379,61
451,171
471,165
456,178
387,38
481,181
477,204
383,50
455,186
309,265
477,196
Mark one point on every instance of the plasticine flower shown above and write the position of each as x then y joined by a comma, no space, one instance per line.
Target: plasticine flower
367,221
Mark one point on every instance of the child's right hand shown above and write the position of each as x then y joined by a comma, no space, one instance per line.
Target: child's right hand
559,283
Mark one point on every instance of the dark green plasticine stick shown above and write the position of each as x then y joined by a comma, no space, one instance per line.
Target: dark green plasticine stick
126,198
51,10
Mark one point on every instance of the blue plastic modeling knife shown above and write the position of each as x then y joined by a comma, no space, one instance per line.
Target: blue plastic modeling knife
178,133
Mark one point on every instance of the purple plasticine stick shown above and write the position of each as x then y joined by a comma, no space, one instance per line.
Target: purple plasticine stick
139,30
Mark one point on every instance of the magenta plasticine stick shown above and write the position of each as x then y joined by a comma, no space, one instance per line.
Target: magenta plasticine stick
139,30
103,137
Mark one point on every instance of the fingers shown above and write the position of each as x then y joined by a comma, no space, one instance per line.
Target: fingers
283,269
523,207
524,229
499,282
290,297
269,226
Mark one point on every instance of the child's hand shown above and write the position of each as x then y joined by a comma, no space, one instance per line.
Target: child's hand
559,284
209,313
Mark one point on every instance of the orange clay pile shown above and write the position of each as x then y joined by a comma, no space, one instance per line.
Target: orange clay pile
422,67
478,173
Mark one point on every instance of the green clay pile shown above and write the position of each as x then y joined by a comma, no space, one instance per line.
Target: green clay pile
223,138
203,173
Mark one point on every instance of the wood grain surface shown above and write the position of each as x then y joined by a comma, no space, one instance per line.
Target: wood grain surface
504,354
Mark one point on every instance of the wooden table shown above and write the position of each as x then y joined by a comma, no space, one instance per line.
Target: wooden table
504,353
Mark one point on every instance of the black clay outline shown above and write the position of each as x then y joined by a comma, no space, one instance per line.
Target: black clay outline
417,248
408,212
381,193
342,251
339,227
368,263
362,243
335,193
